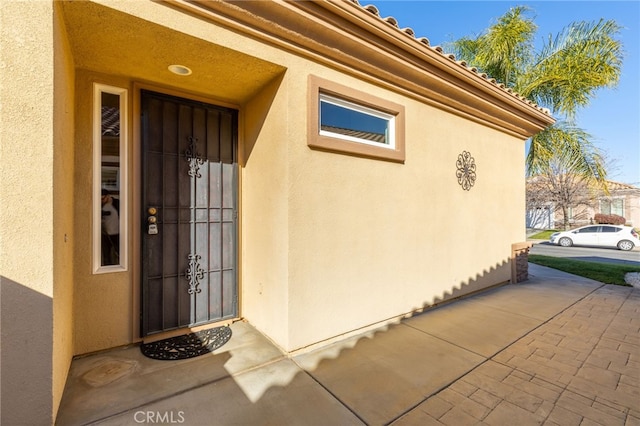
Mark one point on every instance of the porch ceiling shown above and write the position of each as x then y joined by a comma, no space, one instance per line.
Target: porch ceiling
111,42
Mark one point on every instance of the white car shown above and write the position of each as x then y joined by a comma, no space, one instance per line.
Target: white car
623,237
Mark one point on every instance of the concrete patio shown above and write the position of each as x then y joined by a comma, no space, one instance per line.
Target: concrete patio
557,349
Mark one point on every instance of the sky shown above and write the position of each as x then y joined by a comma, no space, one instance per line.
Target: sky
613,116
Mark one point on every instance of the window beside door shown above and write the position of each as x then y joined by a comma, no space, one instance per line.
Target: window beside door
109,179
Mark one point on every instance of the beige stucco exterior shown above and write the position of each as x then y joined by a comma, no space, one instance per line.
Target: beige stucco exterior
330,243
36,220
365,249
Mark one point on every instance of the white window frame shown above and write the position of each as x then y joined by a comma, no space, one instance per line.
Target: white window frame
348,97
391,120
610,202
98,268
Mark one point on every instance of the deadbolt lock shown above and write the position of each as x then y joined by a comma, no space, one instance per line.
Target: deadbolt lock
152,219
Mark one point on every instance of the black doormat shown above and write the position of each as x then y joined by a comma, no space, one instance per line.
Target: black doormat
188,346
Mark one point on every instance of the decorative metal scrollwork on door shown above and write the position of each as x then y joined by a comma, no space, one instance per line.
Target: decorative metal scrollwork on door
194,273
466,170
194,159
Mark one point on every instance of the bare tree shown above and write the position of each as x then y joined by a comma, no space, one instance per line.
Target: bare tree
568,194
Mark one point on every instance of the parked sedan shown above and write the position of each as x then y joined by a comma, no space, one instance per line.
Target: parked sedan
623,237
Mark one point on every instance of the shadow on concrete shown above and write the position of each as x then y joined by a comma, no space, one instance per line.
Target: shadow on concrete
26,354
372,378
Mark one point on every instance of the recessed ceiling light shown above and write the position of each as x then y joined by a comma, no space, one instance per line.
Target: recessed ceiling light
179,69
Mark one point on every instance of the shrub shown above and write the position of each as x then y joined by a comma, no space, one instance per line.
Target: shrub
609,219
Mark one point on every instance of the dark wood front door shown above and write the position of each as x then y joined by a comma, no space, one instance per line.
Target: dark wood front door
189,213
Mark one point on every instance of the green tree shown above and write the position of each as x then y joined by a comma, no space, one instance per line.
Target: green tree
563,75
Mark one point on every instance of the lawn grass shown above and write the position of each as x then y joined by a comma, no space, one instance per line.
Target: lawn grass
544,235
608,273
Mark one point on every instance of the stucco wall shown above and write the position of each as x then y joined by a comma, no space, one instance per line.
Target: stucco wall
26,211
103,304
632,209
63,201
370,240
264,212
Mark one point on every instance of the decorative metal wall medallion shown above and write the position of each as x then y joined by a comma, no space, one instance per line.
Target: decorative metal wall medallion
194,159
466,170
194,274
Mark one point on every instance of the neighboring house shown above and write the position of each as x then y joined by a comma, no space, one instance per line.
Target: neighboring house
542,217
583,202
227,138
623,200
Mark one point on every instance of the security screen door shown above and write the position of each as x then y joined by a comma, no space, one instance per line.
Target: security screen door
189,213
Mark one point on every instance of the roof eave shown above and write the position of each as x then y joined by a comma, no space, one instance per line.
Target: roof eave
345,36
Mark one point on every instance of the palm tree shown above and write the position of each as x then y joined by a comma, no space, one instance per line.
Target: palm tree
564,75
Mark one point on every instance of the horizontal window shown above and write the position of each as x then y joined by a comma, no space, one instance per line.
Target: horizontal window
347,121
352,122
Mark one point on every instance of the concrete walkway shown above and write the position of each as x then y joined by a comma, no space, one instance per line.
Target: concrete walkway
557,349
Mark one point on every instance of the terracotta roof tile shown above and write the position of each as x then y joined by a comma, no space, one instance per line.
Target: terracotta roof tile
611,185
391,20
110,121
423,40
617,186
409,31
369,8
